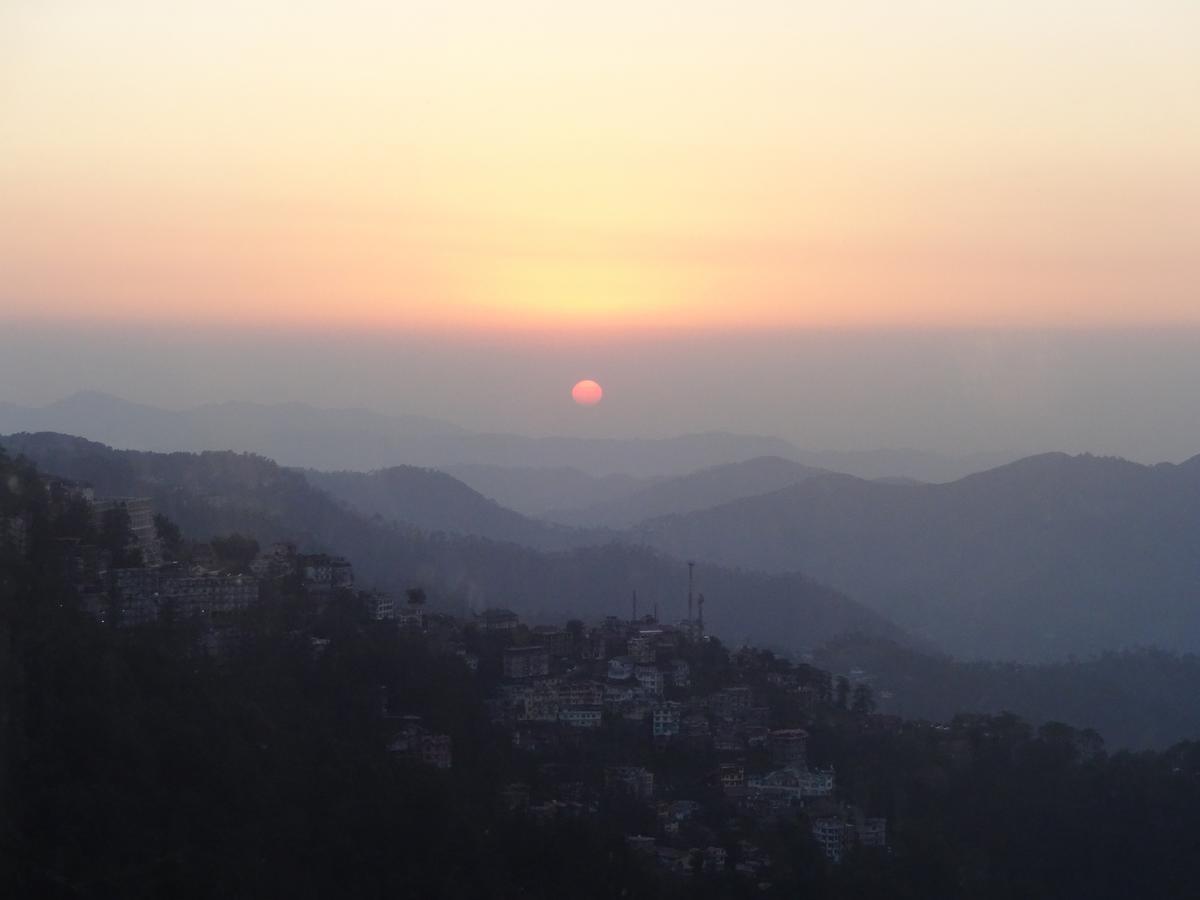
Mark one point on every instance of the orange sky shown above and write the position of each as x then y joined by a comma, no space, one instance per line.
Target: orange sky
635,166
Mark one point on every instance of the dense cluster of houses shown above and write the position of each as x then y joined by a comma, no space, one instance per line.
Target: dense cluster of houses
142,588
559,690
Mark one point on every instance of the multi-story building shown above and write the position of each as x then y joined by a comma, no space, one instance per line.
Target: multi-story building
618,697
650,679
209,595
694,725
581,716
620,668
732,703
381,606
322,572
732,776
411,617
728,741
139,509
831,836
134,583
666,720
556,640
141,522
838,829
788,747
526,662
541,706
595,646
580,693
643,647
141,593
681,673
872,832
634,781
793,784
498,620
416,743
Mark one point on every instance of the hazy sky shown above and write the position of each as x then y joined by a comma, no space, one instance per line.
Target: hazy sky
618,165
1129,393
961,225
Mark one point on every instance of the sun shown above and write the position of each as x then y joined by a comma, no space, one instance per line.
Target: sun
587,393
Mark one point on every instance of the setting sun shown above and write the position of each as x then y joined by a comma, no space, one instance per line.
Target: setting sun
587,393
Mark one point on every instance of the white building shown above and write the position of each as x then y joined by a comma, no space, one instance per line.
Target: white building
650,679
620,668
581,716
666,720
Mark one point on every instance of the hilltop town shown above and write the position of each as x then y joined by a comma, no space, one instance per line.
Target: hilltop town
656,719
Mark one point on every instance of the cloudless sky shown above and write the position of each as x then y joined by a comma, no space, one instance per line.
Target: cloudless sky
607,166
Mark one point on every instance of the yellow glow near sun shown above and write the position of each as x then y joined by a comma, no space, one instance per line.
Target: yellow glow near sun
619,165
574,292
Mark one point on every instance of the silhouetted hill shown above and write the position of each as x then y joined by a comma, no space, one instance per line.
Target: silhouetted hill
434,501
533,491
1034,560
297,433
686,493
1137,699
215,493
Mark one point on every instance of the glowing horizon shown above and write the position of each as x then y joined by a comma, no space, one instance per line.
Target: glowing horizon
366,165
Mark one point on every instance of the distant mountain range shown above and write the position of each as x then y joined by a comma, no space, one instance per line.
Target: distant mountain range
309,437
215,493
686,493
1035,560
536,491
1032,561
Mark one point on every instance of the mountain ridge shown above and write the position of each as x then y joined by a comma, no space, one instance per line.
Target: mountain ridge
218,492
1049,555
333,439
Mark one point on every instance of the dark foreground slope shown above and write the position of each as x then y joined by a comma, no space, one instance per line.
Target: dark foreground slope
219,493
1035,560
133,764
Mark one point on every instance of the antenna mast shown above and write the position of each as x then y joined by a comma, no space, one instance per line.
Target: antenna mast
691,566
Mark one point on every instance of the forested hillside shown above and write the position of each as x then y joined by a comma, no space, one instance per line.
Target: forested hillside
1035,560
1136,699
218,493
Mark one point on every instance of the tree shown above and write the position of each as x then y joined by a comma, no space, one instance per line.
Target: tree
235,552
169,534
117,537
843,692
863,701
575,629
